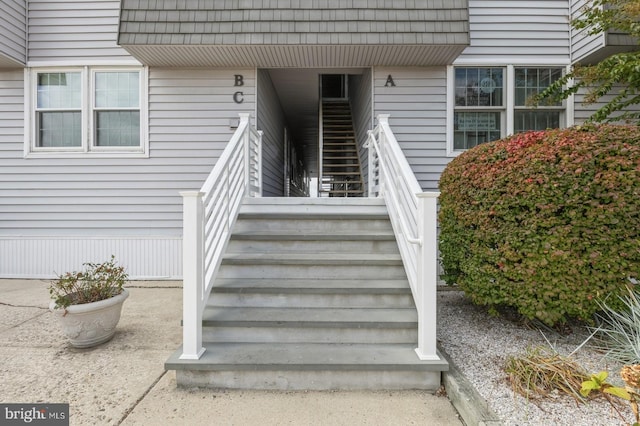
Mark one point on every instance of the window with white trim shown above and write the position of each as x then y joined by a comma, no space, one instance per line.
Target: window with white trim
88,111
528,83
492,102
479,106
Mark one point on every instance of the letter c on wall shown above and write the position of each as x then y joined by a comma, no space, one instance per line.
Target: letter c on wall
238,97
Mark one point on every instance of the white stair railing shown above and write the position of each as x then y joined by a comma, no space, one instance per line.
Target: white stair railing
209,215
320,149
413,215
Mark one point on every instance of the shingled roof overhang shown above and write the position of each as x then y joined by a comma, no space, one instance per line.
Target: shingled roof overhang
294,33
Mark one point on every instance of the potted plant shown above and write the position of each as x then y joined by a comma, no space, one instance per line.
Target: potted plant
88,303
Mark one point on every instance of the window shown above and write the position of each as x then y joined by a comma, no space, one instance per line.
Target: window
529,82
117,108
479,106
491,102
87,111
58,110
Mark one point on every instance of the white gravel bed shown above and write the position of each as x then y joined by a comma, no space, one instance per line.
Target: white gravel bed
479,346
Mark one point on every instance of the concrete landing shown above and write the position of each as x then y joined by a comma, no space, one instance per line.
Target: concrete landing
123,382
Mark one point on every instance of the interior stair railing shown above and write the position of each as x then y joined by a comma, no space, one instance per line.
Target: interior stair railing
209,215
413,215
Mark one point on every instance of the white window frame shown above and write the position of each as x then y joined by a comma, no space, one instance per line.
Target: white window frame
507,125
88,146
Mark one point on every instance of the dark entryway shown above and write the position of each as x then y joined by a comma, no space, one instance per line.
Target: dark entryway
300,93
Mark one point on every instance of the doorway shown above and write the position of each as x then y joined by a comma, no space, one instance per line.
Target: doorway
333,86
291,99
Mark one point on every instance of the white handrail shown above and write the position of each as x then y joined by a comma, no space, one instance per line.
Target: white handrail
209,215
413,215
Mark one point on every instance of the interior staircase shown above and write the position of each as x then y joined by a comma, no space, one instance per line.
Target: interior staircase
341,174
311,294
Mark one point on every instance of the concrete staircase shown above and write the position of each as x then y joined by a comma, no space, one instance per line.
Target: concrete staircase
311,294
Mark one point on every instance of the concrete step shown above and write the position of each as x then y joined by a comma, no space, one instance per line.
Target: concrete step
242,293
301,334
311,271
311,366
305,208
309,285
310,325
308,356
314,235
311,300
314,226
310,317
313,259
250,245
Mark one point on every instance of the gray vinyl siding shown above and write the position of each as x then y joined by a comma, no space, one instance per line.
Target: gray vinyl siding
360,96
13,36
516,31
11,120
270,119
417,108
189,116
583,112
79,31
588,48
582,43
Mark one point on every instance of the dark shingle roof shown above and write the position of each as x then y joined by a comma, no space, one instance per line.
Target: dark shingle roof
294,22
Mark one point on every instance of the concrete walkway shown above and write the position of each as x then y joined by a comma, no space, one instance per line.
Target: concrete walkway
123,382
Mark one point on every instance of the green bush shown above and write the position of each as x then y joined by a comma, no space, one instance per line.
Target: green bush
544,222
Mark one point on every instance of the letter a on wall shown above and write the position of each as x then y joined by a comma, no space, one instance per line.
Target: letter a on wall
390,82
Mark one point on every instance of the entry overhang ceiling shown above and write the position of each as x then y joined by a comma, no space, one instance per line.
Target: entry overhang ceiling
294,56
7,61
294,33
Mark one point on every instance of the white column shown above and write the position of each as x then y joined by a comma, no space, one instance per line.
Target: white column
427,275
193,275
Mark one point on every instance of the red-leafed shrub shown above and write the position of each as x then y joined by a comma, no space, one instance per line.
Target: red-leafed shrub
544,222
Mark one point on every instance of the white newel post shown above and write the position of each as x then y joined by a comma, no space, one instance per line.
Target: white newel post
193,274
427,275
383,180
370,167
259,160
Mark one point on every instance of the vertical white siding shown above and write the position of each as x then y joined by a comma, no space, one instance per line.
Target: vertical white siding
13,35
270,119
517,32
143,257
417,108
75,31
